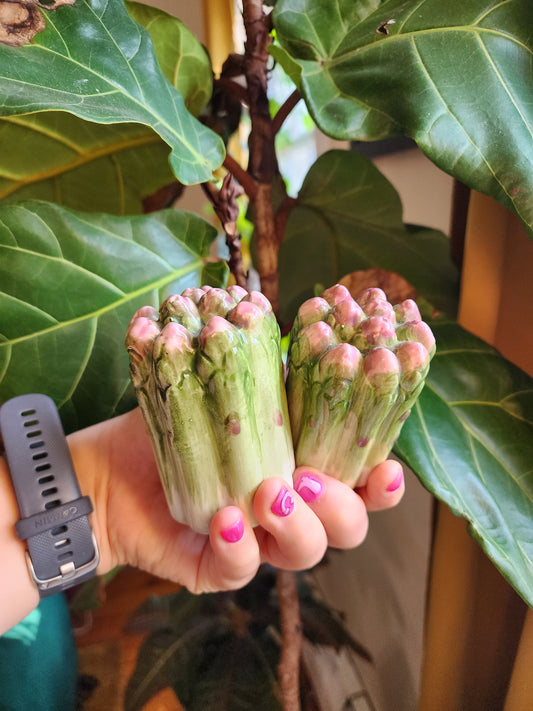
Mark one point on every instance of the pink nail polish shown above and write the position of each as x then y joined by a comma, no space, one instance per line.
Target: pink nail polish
284,503
234,533
396,483
309,487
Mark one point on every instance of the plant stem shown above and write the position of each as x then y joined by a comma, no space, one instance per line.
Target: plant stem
263,170
282,215
263,164
246,181
285,109
224,203
291,633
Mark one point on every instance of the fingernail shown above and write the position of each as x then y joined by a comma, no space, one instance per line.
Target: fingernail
397,482
284,503
233,533
309,487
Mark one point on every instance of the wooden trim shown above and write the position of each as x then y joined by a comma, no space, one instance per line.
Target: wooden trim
476,640
520,694
473,625
219,17
497,289
481,283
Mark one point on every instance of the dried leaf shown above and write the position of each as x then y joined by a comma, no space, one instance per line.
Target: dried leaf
395,286
19,23
20,20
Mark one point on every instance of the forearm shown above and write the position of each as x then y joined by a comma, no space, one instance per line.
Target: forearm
18,595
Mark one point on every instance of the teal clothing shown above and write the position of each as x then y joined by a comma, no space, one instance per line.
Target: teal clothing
38,661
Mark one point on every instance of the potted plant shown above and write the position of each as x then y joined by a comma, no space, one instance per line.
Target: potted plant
105,104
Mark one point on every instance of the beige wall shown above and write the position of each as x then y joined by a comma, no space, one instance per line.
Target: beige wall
190,13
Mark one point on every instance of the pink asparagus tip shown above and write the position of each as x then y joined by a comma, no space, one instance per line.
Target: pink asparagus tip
194,293
413,356
312,310
373,292
215,302
260,300
380,361
335,294
317,337
216,324
407,311
177,304
145,312
245,315
140,336
238,292
347,313
418,331
175,337
379,307
378,330
344,360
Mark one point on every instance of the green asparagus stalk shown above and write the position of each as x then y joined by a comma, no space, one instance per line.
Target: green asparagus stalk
208,376
355,369
414,362
313,340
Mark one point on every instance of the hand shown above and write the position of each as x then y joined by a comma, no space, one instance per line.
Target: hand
116,468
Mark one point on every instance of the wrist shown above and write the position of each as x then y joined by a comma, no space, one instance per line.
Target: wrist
19,596
89,449
53,518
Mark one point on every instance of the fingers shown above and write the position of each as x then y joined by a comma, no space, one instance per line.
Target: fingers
385,486
291,536
231,557
341,511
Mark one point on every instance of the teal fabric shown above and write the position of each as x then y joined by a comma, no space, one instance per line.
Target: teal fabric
38,661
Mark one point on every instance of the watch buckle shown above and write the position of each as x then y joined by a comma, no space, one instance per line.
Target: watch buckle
68,572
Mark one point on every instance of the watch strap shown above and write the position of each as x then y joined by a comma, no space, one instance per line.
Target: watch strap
61,547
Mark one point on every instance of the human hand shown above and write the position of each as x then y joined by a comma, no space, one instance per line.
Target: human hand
132,523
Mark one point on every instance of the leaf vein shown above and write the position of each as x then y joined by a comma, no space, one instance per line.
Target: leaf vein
146,289
83,362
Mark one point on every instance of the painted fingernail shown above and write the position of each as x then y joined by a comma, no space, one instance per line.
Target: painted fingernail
309,487
233,533
397,482
284,503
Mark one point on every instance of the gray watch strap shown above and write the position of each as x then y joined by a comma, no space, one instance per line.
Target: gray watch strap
62,550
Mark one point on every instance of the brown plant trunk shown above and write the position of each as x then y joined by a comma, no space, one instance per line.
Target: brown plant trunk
262,163
291,633
263,169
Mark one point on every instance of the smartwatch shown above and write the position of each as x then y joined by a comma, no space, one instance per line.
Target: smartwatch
54,516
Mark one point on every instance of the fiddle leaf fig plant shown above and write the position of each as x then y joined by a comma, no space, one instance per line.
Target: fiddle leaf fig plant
99,64
96,114
454,76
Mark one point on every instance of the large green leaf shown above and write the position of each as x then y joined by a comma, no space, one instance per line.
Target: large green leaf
70,283
456,76
94,61
208,666
201,648
59,157
470,440
348,217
